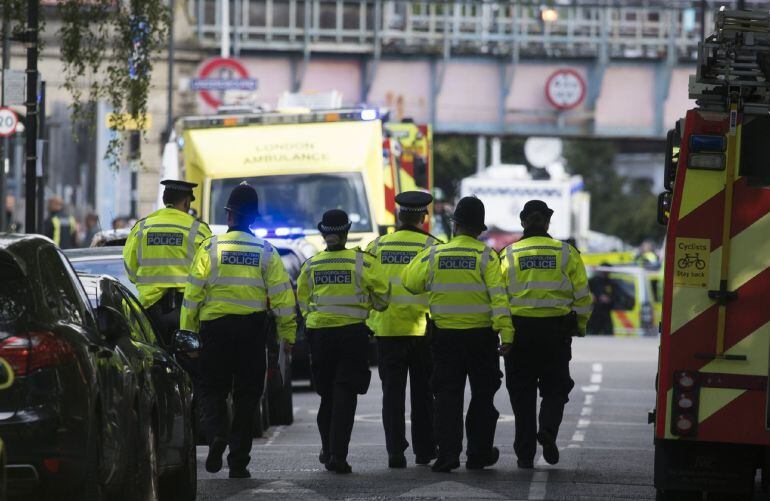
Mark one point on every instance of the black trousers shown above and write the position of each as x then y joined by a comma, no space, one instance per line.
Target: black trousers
165,315
232,359
340,369
540,359
600,321
397,358
457,354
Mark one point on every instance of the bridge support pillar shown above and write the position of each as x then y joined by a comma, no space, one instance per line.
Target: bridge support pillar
481,153
496,151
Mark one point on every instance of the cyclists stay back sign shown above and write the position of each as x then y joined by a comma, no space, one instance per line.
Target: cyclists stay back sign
691,262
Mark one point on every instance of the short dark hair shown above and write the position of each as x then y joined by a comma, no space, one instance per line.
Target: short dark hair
173,197
467,230
413,218
536,220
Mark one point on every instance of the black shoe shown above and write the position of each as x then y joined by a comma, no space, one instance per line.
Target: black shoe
525,465
396,461
480,462
239,473
550,451
323,457
445,465
338,465
214,459
424,460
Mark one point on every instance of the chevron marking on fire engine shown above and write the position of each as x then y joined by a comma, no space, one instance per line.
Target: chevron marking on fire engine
698,193
748,258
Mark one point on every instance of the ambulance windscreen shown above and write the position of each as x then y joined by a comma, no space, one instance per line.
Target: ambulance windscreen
297,201
755,151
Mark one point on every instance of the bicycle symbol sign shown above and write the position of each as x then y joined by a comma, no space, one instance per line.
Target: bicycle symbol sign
692,261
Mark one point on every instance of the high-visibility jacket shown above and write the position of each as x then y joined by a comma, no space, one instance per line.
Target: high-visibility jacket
159,251
337,288
546,278
464,285
62,230
238,274
406,314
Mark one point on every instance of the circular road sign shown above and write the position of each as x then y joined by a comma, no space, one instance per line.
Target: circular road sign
565,89
8,121
219,69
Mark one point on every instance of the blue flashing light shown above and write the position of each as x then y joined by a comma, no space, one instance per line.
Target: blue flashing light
261,232
369,114
701,143
282,232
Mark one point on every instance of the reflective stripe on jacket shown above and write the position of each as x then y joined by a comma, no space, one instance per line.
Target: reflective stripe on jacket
238,273
546,278
337,288
465,286
406,314
159,251
69,224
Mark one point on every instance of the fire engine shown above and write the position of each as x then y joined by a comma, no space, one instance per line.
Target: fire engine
712,419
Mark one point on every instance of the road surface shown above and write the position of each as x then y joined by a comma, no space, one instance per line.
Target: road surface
605,441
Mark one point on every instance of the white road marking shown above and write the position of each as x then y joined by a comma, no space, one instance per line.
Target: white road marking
590,389
597,367
586,411
583,423
596,378
578,436
589,400
274,435
451,490
280,488
539,485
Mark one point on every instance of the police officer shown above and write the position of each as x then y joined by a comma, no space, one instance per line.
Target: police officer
550,302
158,254
402,345
59,226
469,307
336,289
232,278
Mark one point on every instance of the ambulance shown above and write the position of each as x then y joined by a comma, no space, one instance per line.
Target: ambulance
712,415
303,162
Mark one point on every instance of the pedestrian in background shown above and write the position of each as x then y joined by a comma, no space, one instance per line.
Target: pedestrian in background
550,303
468,304
336,289
91,228
59,226
402,345
158,254
232,280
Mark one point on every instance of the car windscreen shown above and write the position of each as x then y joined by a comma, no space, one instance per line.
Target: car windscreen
297,201
15,295
105,266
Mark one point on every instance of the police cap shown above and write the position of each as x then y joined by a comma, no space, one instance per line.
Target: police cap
175,185
334,221
534,206
469,212
414,201
243,200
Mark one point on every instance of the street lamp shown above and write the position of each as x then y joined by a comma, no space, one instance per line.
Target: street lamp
549,14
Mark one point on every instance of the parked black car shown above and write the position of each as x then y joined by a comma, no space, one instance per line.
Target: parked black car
277,406
67,419
163,404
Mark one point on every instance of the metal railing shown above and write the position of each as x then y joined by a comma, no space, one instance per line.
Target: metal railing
614,29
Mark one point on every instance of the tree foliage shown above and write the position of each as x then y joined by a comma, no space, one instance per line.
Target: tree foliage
620,206
106,49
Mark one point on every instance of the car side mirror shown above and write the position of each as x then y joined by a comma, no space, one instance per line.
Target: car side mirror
185,342
664,207
111,323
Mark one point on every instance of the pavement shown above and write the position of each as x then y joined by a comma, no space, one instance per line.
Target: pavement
605,441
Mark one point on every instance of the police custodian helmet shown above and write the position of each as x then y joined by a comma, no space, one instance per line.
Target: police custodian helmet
334,221
243,200
469,212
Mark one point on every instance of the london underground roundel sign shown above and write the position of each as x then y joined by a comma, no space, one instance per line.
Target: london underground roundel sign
565,89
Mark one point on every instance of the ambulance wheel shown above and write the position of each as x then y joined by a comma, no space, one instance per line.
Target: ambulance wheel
669,495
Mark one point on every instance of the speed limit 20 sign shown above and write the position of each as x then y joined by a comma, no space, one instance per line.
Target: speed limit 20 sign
8,121
565,89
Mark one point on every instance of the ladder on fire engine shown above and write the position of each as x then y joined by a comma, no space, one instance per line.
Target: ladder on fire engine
735,59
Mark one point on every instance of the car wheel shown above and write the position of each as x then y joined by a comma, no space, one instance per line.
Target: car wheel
92,488
182,484
282,403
